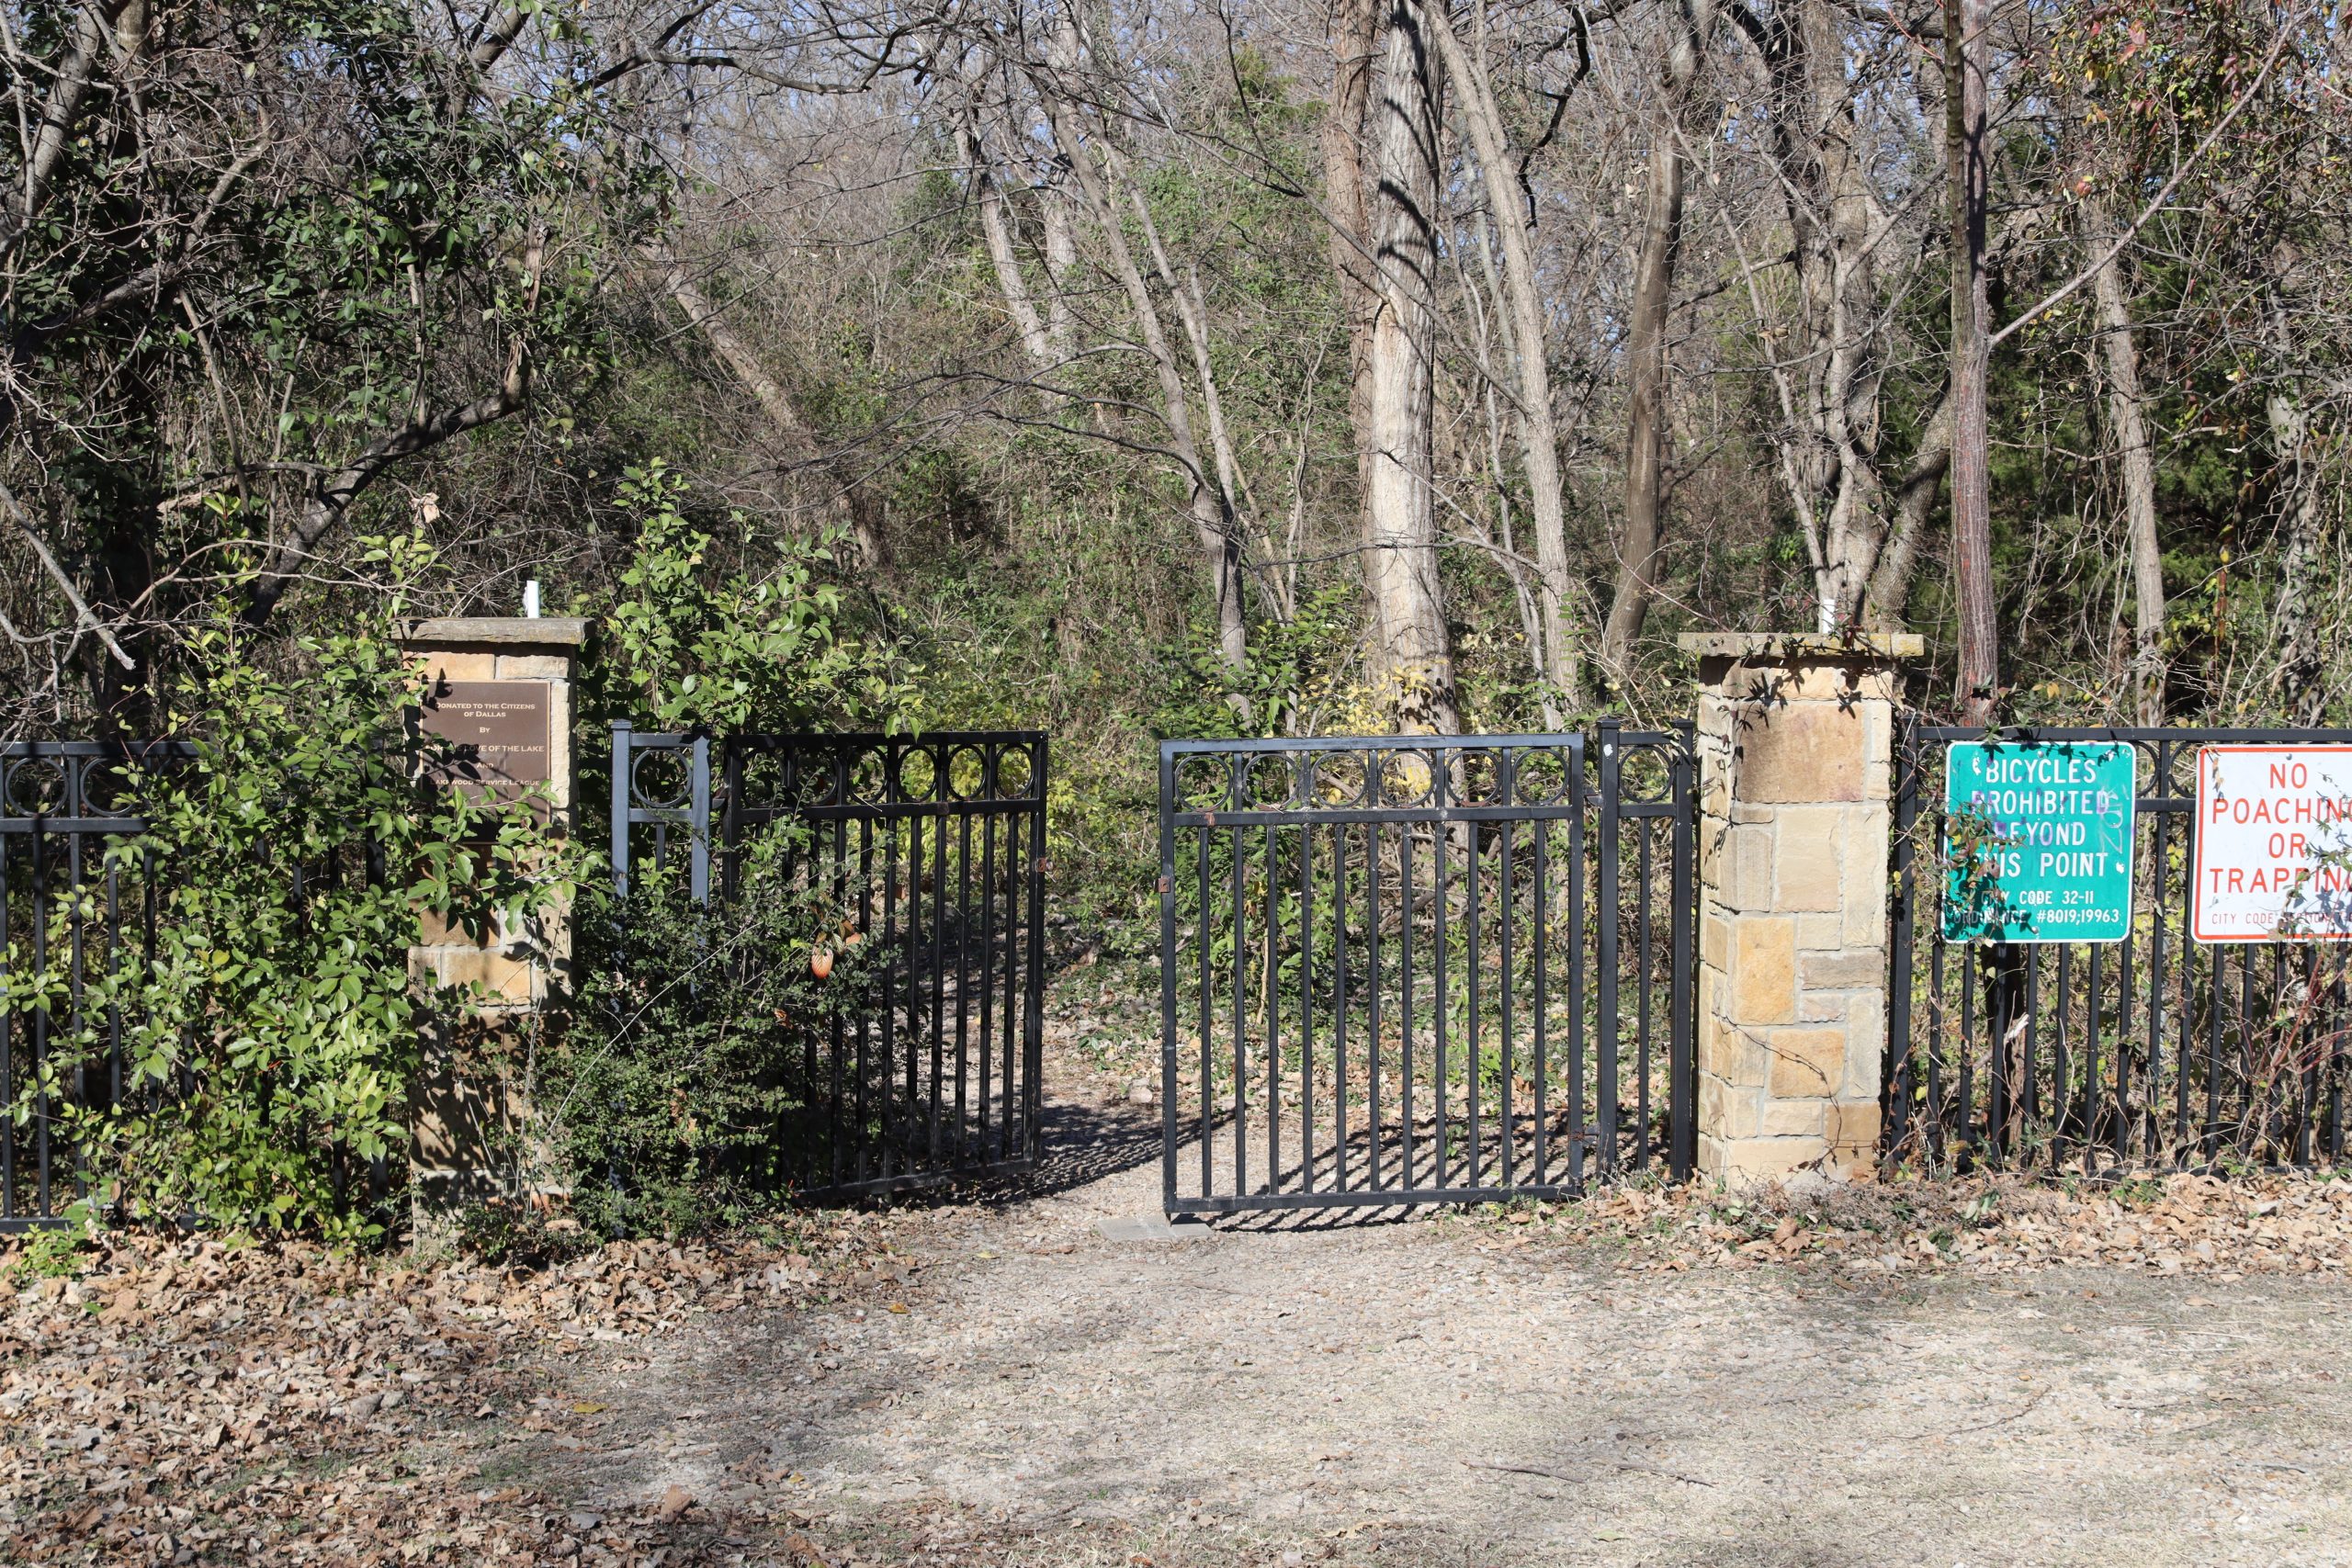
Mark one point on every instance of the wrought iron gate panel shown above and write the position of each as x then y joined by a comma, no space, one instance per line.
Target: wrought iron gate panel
2154,1050
934,845
1396,970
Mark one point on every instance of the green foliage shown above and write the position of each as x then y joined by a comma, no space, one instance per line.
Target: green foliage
692,648
56,1253
673,1100
269,1031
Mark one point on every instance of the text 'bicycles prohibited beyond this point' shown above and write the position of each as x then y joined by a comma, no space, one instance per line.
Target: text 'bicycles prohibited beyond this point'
2038,840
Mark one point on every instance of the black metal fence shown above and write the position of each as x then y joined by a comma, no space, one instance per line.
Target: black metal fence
1411,970
2153,1050
72,919
935,845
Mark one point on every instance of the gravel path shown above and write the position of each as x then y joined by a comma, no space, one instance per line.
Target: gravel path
1441,1391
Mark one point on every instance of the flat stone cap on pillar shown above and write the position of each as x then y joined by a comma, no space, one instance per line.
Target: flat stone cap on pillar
509,632
1810,648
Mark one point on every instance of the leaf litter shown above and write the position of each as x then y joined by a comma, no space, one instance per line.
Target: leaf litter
180,1400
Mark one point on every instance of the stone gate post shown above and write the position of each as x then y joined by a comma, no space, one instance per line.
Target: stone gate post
503,685
1795,735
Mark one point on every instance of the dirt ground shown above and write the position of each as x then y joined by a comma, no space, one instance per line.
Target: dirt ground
1061,1384
1934,1374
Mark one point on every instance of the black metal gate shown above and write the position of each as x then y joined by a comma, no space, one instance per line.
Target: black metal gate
934,844
2154,1049
1423,969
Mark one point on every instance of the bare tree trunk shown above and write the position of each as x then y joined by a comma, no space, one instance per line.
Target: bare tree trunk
1352,33
1645,427
1914,497
1415,667
1213,520
1971,524
2302,658
2127,415
1539,440
844,501
998,235
1829,376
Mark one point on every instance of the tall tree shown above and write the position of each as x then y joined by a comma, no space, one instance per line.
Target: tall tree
1969,173
1530,385
1687,28
1414,654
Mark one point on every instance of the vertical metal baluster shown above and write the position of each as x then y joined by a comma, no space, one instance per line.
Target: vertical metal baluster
1016,1129
1237,837
1475,1049
1643,937
1166,975
1207,992
1440,856
1407,856
2187,961
7,1022
2091,1054
1273,1018
839,1029
937,810
1033,980
1542,1071
1306,1007
1902,1069
1970,1129
993,791
2308,1108
2152,1083
964,974
1341,839
1505,1127
2061,1082
42,1108
1683,1108
867,998
1372,837
1579,796
1610,897
893,832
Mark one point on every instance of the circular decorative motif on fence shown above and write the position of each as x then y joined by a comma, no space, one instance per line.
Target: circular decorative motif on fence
107,786
868,777
661,781
1540,775
917,775
1405,779
1337,780
1015,771
1478,775
967,773
1203,781
1269,782
34,787
1643,774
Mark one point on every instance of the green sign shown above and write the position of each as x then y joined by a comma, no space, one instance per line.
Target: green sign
2038,840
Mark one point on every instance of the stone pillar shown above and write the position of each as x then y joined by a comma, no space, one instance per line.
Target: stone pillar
502,686
1795,737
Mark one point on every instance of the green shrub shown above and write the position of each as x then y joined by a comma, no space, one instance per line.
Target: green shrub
682,1092
269,1027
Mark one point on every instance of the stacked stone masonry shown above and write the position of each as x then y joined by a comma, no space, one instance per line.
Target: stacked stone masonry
469,1111
1795,737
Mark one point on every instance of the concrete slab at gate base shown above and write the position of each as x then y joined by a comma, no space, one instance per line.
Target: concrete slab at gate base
1795,734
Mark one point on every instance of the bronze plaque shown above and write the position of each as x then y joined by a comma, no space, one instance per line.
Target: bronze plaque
499,729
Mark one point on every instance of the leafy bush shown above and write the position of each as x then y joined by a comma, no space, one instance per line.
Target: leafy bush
677,1095
269,1028
692,651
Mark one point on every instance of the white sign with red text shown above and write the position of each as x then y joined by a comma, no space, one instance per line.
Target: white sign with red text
2274,844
